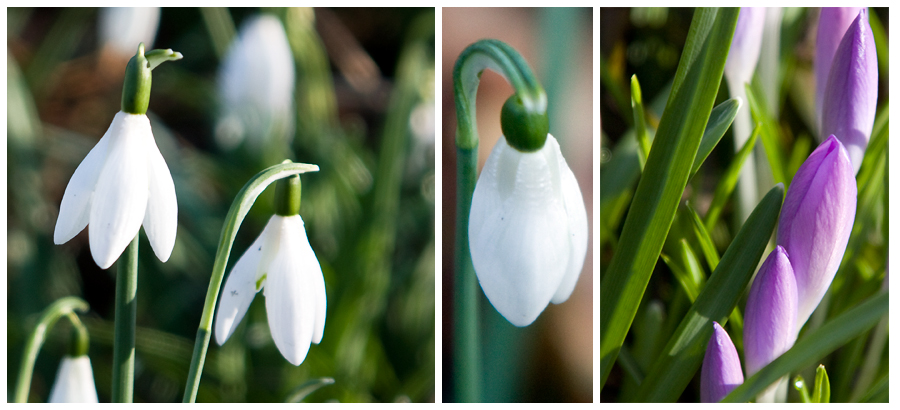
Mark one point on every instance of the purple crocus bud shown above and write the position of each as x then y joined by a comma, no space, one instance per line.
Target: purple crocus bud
721,371
816,220
744,52
833,23
771,313
851,93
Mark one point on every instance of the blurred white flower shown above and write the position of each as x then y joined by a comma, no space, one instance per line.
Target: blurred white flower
256,86
121,184
527,230
74,382
282,262
123,27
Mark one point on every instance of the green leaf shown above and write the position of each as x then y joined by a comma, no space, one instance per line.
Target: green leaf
800,386
814,346
706,243
663,181
719,121
769,134
308,388
878,393
728,180
822,392
640,123
682,356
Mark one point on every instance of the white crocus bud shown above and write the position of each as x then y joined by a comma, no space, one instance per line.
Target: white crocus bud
256,86
74,382
527,230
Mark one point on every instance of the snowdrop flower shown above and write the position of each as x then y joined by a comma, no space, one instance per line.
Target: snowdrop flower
816,220
124,181
721,371
123,27
527,228
833,23
851,93
256,85
74,381
770,317
282,262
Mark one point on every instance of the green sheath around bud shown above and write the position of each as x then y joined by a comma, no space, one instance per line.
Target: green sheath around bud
525,131
136,89
287,196
79,341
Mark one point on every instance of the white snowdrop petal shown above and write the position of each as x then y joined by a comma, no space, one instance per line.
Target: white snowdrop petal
290,301
75,209
240,288
74,382
120,198
517,239
161,218
577,228
312,272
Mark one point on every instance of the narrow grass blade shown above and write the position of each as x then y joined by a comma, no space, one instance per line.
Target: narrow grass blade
663,181
822,392
800,386
878,393
728,180
814,346
682,356
769,134
640,123
719,121
706,243
798,155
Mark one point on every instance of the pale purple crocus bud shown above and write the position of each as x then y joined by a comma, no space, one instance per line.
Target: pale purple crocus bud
851,93
744,52
816,220
721,371
833,23
770,317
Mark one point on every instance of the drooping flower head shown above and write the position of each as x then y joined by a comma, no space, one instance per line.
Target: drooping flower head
816,220
851,92
771,315
833,23
281,261
74,382
124,181
527,230
721,371
256,84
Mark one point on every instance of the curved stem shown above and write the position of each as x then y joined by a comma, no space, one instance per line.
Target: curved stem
239,208
503,59
52,313
126,315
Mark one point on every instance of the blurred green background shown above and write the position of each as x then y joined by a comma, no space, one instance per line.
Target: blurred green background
550,360
363,111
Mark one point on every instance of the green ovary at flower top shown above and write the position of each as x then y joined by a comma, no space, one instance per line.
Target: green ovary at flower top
123,182
281,261
527,224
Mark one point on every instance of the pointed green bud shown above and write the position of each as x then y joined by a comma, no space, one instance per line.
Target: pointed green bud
525,130
287,195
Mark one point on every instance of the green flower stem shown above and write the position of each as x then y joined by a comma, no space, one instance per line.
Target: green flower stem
239,208
60,308
126,313
479,56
